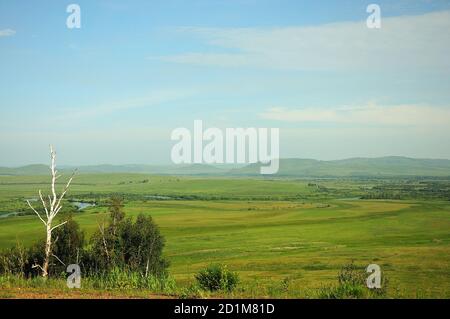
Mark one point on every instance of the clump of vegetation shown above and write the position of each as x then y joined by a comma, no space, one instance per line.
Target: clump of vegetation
124,278
122,243
14,261
192,291
217,277
352,285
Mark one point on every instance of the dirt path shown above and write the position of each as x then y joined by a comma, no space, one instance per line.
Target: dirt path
39,293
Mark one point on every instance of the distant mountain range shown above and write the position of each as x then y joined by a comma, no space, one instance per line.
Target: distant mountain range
353,167
193,169
357,167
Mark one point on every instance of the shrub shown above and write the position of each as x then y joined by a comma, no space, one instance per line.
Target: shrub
217,277
14,261
352,285
352,275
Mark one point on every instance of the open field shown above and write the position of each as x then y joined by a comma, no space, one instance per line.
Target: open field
275,233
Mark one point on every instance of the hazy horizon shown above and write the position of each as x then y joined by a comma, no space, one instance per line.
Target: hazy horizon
63,166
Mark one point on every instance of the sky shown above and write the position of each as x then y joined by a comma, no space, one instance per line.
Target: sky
113,90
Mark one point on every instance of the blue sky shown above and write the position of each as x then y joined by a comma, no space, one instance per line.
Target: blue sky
112,91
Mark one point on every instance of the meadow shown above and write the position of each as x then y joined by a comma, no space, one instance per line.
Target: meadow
286,238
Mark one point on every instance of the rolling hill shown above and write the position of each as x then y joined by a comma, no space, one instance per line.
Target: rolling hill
354,167
193,169
35,169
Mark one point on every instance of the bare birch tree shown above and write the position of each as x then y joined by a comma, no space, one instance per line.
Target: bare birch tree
52,207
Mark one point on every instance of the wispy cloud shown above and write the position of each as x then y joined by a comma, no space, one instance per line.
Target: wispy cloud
403,42
152,100
7,33
372,114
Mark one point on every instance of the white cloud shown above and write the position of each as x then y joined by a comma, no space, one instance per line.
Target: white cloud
153,99
397,115
7,33
402,42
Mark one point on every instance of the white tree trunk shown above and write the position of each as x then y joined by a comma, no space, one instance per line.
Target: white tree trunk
51,208
48,250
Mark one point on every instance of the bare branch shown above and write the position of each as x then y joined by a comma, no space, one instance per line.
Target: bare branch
43,203
37,266
53,169
36,212
58,259
102,232
53,228
65,190
57,210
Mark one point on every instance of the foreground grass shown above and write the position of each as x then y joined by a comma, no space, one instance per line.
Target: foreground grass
37,288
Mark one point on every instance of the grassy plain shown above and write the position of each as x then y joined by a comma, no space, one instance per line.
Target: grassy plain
285,237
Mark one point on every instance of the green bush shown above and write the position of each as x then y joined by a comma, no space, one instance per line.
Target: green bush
352,285
217,277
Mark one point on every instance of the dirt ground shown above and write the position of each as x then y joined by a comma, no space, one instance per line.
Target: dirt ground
36,293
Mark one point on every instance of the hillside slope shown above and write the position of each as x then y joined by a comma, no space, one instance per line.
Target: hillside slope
383,166
295,167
